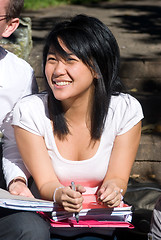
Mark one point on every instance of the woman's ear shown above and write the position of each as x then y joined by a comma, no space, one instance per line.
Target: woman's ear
96,75
11,26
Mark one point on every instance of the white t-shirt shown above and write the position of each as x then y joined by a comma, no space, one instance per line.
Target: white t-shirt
31,114
16,81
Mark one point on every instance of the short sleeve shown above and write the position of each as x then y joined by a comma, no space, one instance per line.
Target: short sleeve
129,113
26,115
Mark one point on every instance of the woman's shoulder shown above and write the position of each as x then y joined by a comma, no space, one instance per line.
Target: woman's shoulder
125,111
124,104
33,104
30,113
124,100
34,99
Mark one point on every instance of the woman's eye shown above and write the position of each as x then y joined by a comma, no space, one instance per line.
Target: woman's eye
71,59
51,59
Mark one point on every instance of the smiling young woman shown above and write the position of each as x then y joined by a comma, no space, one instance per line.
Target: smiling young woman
85,128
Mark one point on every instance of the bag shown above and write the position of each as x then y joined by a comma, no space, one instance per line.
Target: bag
143,197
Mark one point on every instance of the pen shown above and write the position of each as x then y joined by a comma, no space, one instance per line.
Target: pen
76,214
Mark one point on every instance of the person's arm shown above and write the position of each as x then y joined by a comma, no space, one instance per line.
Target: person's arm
13,166
35,156
15,172
121,161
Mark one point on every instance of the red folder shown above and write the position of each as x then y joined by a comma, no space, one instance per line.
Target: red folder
90,203
86,223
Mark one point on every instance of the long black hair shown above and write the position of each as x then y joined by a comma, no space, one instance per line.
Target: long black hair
92,42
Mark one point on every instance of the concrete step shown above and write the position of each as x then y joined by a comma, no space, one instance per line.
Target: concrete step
136,26
147,165
142,75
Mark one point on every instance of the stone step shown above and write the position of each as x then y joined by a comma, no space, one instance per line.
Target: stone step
141,74
148,160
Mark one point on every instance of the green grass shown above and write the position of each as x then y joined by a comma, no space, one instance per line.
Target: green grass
37,4
85,1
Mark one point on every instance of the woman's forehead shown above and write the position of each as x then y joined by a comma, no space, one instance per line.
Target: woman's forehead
62,50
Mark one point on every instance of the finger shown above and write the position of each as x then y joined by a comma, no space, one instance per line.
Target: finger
72,210
70,196
119,192
22,192
26,193
80,188
108,195
73,198
16,190
112,197
113,203
13,192
72,204
101,191
67,192
20,189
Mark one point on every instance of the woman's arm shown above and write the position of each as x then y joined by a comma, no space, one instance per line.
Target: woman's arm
121,161
36,158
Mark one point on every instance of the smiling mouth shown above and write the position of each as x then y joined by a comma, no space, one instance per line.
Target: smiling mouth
63,83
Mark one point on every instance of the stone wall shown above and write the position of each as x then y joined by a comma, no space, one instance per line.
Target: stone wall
20,42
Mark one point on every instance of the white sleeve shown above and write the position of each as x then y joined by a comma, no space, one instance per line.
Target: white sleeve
27,115
13,165
129,114
23,116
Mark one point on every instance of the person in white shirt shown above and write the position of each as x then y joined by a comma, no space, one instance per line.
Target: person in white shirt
16,81
84,128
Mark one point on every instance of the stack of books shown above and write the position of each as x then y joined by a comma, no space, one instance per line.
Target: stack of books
93,214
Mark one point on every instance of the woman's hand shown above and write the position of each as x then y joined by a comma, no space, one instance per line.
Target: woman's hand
70,200
109,194
20,188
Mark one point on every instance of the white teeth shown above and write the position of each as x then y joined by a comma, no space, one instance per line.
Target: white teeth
62,83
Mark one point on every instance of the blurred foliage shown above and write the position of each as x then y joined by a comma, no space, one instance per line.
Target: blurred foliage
37,4
84,1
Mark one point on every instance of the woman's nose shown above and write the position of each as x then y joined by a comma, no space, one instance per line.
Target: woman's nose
60,68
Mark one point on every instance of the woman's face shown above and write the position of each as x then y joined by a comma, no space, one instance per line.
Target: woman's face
68,78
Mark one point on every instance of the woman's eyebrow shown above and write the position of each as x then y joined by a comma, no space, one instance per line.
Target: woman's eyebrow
70,53
51,52
66,53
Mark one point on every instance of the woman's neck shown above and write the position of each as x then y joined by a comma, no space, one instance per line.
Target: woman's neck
78,110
